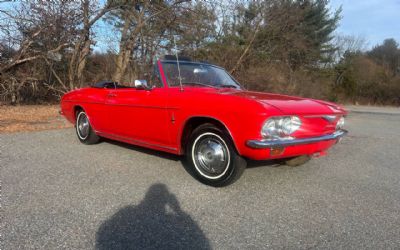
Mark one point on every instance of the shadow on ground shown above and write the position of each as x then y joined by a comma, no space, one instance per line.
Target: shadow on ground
157,222
144,150
264,163
168,156
186,165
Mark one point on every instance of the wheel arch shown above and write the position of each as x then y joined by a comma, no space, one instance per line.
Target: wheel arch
76,110
193,122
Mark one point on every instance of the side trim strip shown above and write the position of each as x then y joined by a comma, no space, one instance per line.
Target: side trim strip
128,105
141,106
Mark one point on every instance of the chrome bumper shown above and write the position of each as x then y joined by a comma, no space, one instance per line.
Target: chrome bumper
291,142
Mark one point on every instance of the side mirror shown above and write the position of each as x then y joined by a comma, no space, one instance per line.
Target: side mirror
141,84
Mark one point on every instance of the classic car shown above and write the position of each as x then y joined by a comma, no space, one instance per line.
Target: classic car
200,111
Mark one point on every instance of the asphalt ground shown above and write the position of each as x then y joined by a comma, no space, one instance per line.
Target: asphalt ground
59,193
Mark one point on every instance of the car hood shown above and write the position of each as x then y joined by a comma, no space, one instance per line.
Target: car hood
289,105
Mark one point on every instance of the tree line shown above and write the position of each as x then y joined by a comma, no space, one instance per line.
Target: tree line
285,46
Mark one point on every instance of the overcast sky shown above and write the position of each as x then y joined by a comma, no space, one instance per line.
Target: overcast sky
375,20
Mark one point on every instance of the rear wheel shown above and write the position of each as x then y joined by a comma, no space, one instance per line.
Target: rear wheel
212,158
84,130
298,161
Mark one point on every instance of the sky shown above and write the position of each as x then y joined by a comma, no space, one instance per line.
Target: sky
373,20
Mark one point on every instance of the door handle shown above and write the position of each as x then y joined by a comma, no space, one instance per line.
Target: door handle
111,95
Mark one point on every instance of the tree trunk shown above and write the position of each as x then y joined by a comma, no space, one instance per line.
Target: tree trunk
72,66
82,62
121,64
78,63
127,43
82,48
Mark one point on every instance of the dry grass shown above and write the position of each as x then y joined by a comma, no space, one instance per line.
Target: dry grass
31,118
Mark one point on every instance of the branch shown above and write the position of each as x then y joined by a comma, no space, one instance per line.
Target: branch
56,75
165,9
54,89
59,47
20,61
108,7
246,50
7,67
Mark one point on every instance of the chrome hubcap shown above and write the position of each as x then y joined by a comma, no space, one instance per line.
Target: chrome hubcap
83,126
210,155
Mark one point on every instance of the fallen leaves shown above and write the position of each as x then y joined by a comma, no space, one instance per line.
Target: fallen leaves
31,118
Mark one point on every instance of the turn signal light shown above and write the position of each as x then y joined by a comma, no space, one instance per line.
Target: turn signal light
277,151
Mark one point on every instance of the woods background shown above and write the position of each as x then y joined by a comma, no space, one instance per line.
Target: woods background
285,46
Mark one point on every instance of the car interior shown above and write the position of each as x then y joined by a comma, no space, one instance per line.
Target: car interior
110,85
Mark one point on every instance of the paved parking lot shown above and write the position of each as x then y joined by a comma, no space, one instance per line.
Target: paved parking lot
58,193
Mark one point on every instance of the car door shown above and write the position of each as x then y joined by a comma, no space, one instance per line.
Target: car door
140,114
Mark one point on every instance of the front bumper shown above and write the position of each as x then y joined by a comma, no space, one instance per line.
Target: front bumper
260,144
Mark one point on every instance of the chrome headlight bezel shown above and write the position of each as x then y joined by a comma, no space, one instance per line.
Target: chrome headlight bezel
280,127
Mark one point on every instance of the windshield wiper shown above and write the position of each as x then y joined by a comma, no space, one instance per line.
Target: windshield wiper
199,83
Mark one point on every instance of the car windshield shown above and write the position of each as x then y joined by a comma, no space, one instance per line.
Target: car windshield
198,74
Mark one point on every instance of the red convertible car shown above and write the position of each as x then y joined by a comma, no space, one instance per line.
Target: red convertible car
198,110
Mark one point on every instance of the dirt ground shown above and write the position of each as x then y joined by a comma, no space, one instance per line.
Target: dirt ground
31,118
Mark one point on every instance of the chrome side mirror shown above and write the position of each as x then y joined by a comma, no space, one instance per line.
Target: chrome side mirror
141,84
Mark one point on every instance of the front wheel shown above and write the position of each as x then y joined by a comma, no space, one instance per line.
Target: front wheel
84,130
212,157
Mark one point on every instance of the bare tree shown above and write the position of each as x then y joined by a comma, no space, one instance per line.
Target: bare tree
81,48
37,30
132,19
348,43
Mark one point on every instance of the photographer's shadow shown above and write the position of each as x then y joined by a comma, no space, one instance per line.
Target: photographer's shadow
157,222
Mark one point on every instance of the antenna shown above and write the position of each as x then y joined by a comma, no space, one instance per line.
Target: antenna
179,68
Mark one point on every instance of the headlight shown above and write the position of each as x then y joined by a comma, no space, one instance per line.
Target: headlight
280,127
340,123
